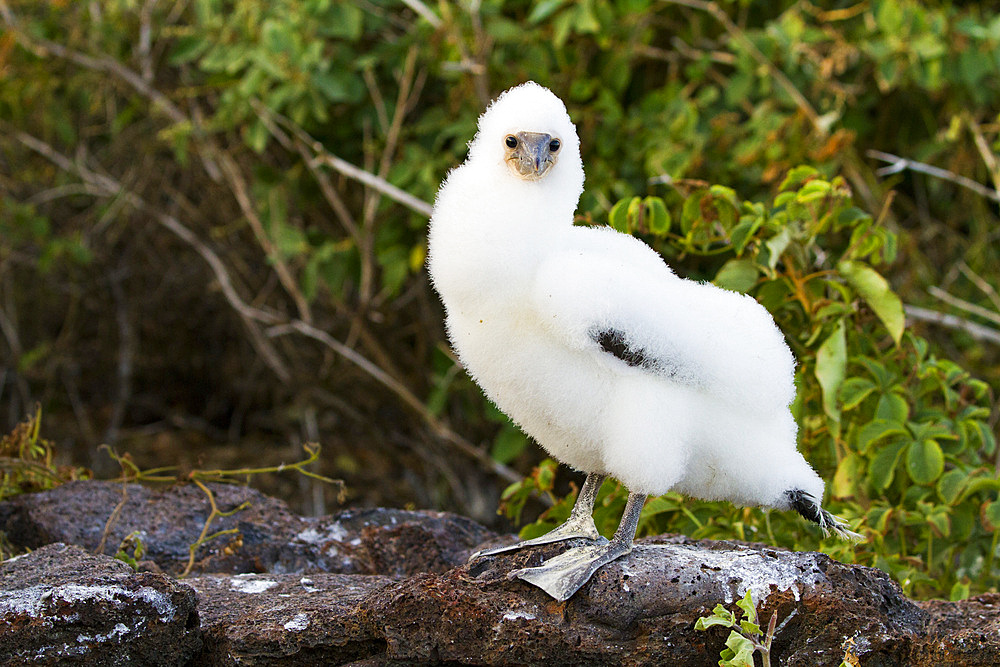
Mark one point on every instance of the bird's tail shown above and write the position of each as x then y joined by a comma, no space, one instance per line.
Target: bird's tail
805,504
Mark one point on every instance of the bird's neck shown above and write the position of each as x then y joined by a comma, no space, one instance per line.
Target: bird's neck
491,232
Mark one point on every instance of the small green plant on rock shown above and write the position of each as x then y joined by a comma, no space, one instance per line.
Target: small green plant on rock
745,636
27,461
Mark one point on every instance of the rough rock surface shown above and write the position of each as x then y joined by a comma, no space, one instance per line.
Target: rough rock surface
641,609
387,587
286,619
59,604
272,538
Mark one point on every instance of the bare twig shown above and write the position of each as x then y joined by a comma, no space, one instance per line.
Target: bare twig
978,281
983,146
424,11
323,157
242,193
901,163
145,40
977,331
968,307
113,518
383,186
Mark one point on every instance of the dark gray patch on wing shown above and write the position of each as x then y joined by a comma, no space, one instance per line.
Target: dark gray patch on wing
613,342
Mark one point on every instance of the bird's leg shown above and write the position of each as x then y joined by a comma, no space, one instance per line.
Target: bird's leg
563,575
579,524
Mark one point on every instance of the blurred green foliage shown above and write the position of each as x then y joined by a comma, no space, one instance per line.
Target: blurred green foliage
190,190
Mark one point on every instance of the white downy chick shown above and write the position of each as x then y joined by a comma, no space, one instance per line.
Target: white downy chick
593,346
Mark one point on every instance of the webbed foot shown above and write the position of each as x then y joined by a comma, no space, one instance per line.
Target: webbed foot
582,526
563,575
579,524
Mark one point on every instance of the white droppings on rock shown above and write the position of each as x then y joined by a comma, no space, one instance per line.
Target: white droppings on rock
298,623
738,571
244,584
32,601
307,585
519,614
321,534
115,632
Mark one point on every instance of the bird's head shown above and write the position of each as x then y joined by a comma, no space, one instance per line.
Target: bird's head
530,155
527,135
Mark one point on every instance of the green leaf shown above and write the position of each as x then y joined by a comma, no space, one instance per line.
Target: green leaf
854,390
336,86
882,468
797,176
831,367
739,275
187,49
877,429
618,217
508,444
776,246
924,461
257,136
657,216
875,290
344,20
744,231
544,10
950,486
659,505
959,591
813,190
991,515
850,471
986,436
892,407
742,649
746,604
720,616
706,622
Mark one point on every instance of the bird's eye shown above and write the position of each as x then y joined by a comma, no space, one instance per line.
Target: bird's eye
511,141
554,145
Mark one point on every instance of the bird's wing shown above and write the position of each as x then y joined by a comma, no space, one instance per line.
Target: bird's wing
618,299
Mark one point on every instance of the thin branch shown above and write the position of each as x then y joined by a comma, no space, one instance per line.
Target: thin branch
300,143
985,152
962,304
388,189
241,191
898,164
324,157
978,281
977,331
424,11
